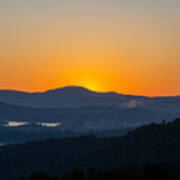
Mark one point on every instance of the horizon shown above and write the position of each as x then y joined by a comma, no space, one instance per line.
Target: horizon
129,47
85,88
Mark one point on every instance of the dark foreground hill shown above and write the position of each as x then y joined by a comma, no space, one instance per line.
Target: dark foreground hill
148,144
146,172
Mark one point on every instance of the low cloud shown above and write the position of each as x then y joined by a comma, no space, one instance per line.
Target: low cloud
132,104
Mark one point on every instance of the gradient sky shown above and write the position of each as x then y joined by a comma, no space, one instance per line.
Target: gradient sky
128,46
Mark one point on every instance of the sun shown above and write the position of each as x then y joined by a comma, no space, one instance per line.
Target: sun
91,85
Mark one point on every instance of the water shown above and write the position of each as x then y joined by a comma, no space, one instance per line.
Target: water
48,124
18,124
15,124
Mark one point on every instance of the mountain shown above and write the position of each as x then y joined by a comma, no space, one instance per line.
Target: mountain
75,97
154,143
71,96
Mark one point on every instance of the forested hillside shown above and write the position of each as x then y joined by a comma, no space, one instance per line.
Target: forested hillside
154,143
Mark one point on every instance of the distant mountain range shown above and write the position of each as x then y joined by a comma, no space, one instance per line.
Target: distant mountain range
75,96
71,96
81,110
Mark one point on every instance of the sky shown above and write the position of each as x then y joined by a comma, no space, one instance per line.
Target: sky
127,46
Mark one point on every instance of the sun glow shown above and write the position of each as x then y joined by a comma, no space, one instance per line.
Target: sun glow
91,85
121,47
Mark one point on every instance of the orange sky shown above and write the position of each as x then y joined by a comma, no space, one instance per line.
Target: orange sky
130,48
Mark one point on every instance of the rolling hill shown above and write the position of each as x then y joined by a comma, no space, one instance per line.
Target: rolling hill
154,143
82,118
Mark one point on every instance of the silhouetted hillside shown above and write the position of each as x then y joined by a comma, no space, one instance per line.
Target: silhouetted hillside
155,143
71,96
75,96
147,172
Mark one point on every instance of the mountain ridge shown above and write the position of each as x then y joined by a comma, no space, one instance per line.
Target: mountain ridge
69,96
77,96
73,88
